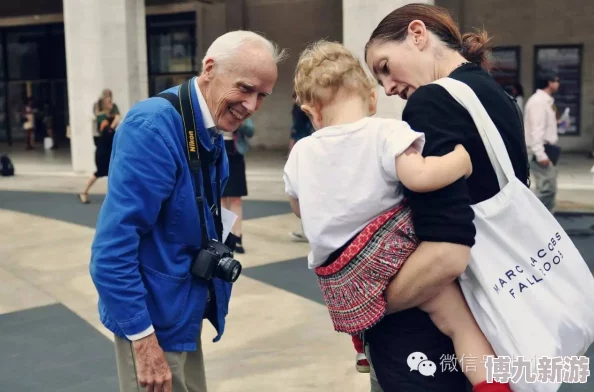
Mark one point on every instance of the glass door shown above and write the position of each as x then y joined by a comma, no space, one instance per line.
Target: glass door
171,46
34,59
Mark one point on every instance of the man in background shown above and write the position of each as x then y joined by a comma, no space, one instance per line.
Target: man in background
300,128
540,123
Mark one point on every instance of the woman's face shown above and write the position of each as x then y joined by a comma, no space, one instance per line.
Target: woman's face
402,67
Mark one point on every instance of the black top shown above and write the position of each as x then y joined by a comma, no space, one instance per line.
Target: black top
445,215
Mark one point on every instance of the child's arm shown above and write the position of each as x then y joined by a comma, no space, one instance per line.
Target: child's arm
432,173
295,207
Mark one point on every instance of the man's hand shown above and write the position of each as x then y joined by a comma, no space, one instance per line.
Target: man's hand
152,368
545,162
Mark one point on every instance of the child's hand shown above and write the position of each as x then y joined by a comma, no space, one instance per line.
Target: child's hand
461,150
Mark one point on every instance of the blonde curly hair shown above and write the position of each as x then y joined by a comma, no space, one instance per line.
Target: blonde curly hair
324,68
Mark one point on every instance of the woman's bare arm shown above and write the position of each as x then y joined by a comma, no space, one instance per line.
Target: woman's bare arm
432,266
115,122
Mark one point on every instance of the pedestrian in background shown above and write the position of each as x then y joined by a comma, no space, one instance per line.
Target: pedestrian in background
301,127
518,94
108,118
236,145
540,124
29,112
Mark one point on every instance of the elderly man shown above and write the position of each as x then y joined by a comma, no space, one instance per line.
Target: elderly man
153,290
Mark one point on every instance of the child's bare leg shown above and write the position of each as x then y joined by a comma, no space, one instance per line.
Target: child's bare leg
452,316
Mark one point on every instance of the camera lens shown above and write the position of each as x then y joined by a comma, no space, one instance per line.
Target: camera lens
228,269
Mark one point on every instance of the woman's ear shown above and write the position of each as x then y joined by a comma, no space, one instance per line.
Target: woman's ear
314,114
417,32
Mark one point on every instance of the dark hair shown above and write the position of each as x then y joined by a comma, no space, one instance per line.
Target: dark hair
544,77
474,47
519,89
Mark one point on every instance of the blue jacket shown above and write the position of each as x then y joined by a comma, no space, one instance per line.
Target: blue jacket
148,230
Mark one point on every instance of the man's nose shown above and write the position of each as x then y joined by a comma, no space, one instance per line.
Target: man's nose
251,103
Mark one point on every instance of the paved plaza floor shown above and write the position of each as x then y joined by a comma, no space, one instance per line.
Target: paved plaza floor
278,338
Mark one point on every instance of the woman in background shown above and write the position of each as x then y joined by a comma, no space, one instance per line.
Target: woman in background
29,123
300,128
236,145
518,94
108,118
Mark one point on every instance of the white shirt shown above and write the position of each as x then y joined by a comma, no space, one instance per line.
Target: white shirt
540,123
345,176
206,116
208,123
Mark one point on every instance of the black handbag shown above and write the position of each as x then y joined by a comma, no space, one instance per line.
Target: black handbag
553,152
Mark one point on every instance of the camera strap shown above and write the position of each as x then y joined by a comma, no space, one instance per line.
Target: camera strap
198,161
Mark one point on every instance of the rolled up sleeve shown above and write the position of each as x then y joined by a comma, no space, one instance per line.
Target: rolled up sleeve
534,124
142,175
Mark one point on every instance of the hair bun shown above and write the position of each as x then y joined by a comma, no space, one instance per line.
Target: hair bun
476,48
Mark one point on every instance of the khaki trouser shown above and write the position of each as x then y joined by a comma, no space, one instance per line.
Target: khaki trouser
545,179
187,368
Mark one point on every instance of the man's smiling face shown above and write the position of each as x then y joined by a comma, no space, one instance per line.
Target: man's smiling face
236,88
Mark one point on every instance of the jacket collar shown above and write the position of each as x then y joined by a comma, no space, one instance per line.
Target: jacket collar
206,135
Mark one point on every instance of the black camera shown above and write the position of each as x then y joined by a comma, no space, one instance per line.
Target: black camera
216,261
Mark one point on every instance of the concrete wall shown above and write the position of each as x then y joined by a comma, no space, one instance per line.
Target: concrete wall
539,22
292,25
105,46
360,18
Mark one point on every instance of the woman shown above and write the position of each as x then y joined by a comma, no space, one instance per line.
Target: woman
108,118
300,128
411,48
29,123
236,145
518,94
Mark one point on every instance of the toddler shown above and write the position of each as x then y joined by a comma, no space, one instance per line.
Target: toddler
345,183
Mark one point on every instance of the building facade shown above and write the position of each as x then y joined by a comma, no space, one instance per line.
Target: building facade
63,53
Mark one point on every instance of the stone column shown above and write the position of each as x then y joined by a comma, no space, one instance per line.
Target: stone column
359,19
105,48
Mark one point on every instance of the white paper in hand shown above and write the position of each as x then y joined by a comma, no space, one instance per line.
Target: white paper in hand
228,218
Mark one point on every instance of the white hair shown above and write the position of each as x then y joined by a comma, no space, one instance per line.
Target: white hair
229,43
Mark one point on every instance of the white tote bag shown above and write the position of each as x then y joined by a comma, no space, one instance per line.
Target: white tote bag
527,285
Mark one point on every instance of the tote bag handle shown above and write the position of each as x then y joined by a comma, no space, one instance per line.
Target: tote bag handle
491,137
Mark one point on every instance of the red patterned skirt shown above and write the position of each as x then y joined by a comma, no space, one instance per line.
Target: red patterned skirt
353,285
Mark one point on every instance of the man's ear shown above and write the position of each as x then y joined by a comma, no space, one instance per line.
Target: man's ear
208,69
373,102
314,114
